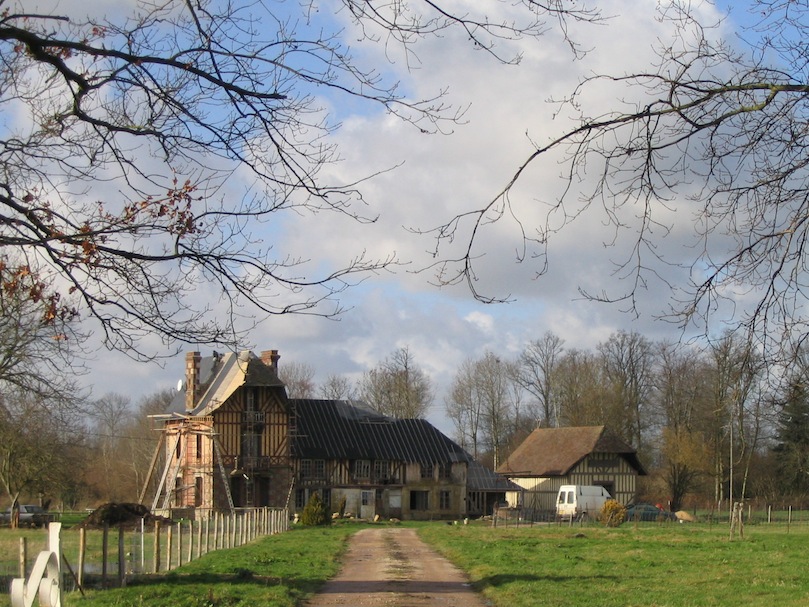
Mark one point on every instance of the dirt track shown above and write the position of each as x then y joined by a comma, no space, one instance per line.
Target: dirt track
394,568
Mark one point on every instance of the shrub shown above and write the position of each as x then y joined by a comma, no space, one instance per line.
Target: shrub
314,513
342,508
612,514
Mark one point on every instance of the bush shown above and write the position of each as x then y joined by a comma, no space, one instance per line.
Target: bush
342,509
612,514
314,513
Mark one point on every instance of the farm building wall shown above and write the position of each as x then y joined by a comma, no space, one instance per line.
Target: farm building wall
607,470
412,491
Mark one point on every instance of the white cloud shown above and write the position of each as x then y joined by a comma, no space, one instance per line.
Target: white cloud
440,176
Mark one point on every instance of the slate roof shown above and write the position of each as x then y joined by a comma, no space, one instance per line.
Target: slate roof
548,452
332,429
221,375
324,429
480,478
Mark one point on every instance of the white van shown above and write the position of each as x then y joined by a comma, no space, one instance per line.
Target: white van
580,501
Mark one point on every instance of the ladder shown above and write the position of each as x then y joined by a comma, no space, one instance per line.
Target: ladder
217,448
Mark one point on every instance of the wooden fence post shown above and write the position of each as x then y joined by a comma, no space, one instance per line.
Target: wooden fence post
199,538
121,558
104,553
179,543
23,556
156,568
82,553
169,546
190,541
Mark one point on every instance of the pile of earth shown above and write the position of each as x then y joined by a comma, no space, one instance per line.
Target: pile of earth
115,515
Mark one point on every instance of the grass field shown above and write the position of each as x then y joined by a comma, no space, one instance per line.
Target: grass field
649,565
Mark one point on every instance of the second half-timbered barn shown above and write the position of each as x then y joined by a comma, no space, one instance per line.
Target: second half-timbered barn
551,457
233,439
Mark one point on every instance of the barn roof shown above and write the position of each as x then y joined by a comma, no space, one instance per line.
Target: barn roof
333,429
548,452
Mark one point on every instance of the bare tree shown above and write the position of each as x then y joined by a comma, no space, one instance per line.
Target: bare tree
714,130
299,378
36,338
537,365
35,441
464,408
397,387
736,372
113,175
111,417
482,404
142,436
338,387
39,400
628,360
682,398
581,389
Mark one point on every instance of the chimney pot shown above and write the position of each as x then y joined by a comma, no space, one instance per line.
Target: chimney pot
270,358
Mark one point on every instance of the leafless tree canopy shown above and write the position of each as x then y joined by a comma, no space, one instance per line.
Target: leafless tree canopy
397,387
717,133
126,129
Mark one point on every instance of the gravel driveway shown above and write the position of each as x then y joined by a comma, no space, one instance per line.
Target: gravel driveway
394,568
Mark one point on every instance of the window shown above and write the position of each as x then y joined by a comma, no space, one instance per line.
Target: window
362,469
419,500
426,471
444,500
198,491
326,493
306,468
199,446
445,472
367,498
319,468
251,442
300,498
381,470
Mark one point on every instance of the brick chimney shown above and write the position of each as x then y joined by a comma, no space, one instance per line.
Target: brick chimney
192,361
270,358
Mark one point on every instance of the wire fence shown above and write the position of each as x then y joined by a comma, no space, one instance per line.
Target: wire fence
109,556
752,513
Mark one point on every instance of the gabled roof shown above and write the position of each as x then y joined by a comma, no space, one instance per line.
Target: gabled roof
221,375
548,452
332,429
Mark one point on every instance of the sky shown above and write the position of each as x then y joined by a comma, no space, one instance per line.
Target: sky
437,176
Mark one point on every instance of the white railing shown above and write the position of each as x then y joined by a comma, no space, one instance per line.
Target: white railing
45,581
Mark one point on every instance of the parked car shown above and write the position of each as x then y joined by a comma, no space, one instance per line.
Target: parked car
30,516
648,512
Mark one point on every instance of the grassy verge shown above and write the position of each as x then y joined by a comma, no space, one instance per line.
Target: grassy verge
274,571
657,566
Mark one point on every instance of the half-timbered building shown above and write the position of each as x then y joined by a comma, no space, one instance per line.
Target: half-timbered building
233,439
551,457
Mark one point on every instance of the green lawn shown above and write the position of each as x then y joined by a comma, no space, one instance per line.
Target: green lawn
650,565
